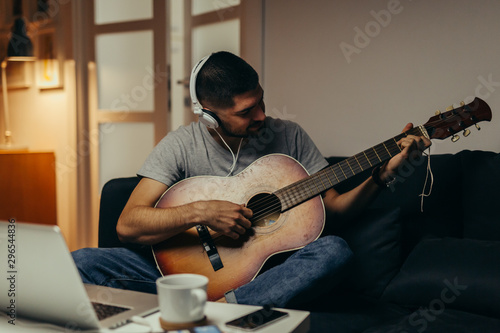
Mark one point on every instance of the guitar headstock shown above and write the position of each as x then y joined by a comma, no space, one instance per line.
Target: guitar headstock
448,123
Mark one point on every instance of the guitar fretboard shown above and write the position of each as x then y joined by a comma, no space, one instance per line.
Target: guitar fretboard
309,187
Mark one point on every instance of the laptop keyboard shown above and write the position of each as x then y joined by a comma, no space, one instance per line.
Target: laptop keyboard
104,311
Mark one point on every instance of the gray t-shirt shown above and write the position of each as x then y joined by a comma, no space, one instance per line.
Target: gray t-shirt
191,151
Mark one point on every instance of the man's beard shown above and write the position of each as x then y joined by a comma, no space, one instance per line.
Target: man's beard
229,131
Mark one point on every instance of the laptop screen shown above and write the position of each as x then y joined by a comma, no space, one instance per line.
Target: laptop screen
43,282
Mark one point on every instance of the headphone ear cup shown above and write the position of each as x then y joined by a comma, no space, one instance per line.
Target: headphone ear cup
209,119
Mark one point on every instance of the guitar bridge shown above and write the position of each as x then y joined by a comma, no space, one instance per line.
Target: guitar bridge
209,246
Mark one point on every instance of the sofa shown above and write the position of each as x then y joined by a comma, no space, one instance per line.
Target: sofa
422,266
431,266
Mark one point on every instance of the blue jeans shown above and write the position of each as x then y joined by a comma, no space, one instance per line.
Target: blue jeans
305,275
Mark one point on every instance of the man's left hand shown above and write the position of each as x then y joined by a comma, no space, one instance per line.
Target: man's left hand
411,146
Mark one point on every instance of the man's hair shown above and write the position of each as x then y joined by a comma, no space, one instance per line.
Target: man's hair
222,77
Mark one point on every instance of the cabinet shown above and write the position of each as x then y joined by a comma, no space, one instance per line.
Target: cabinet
28,186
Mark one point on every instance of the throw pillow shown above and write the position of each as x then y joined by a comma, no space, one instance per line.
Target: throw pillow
452,273
480,194
374,240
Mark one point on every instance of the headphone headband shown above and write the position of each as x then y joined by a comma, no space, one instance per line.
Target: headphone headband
192,85
207,117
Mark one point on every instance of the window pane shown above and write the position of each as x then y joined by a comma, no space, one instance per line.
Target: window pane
125,71
123,149
204,6
223,36
112,11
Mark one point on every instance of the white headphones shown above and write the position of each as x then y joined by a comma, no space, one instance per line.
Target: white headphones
206,117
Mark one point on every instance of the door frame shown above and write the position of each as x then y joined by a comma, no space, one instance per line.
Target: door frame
90,117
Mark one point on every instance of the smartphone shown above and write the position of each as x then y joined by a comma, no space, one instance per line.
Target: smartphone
257,319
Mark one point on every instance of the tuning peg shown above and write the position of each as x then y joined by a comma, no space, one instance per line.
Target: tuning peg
455,138
466,132
437,113
477,126
449,108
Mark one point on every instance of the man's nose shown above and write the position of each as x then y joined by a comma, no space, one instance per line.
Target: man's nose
259,112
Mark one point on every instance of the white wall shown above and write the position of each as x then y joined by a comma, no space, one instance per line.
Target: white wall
45,120
425,55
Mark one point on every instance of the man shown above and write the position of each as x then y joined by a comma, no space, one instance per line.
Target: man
232,133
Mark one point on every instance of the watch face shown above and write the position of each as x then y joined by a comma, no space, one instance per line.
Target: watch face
391,180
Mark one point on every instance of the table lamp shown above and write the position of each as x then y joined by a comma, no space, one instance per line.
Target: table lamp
20,49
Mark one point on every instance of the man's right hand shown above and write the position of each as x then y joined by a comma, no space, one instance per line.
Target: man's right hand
141,223
225,217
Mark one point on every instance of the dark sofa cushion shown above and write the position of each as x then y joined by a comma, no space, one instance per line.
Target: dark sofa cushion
481,194
374,240
351,313
450,273
442,215
447,321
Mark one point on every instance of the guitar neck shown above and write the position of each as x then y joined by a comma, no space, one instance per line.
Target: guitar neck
311,186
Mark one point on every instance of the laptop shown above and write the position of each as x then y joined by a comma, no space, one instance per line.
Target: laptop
40,281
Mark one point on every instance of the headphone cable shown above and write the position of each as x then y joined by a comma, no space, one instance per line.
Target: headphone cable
235,158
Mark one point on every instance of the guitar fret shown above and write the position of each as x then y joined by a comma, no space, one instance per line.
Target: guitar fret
329,180
338,172
358,163
387,149
342,170
338,181
315,184
347,161
377,154
284,201
355,164
396,144
362,161
349,171
383,152
322,184
368,159
291,197
309,189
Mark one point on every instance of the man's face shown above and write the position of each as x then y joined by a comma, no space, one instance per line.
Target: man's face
247,115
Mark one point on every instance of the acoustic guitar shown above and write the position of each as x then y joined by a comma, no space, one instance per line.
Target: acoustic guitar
288,212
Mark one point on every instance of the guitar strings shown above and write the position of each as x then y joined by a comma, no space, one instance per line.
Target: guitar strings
268,205
262,209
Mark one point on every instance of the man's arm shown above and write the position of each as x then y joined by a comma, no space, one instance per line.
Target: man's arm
141,223
349,204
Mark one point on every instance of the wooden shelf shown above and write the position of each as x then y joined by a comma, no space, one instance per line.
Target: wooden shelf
28,186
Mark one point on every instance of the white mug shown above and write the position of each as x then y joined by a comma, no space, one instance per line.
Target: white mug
182,297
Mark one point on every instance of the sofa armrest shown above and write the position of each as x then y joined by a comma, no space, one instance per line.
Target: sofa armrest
114,196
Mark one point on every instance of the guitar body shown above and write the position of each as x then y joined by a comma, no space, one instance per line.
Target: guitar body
242,258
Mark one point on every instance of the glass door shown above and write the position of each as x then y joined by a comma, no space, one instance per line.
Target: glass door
124,108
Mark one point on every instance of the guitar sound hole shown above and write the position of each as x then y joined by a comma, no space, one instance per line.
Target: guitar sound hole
266,208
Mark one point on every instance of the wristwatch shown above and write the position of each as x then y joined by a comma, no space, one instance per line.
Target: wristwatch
380,182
